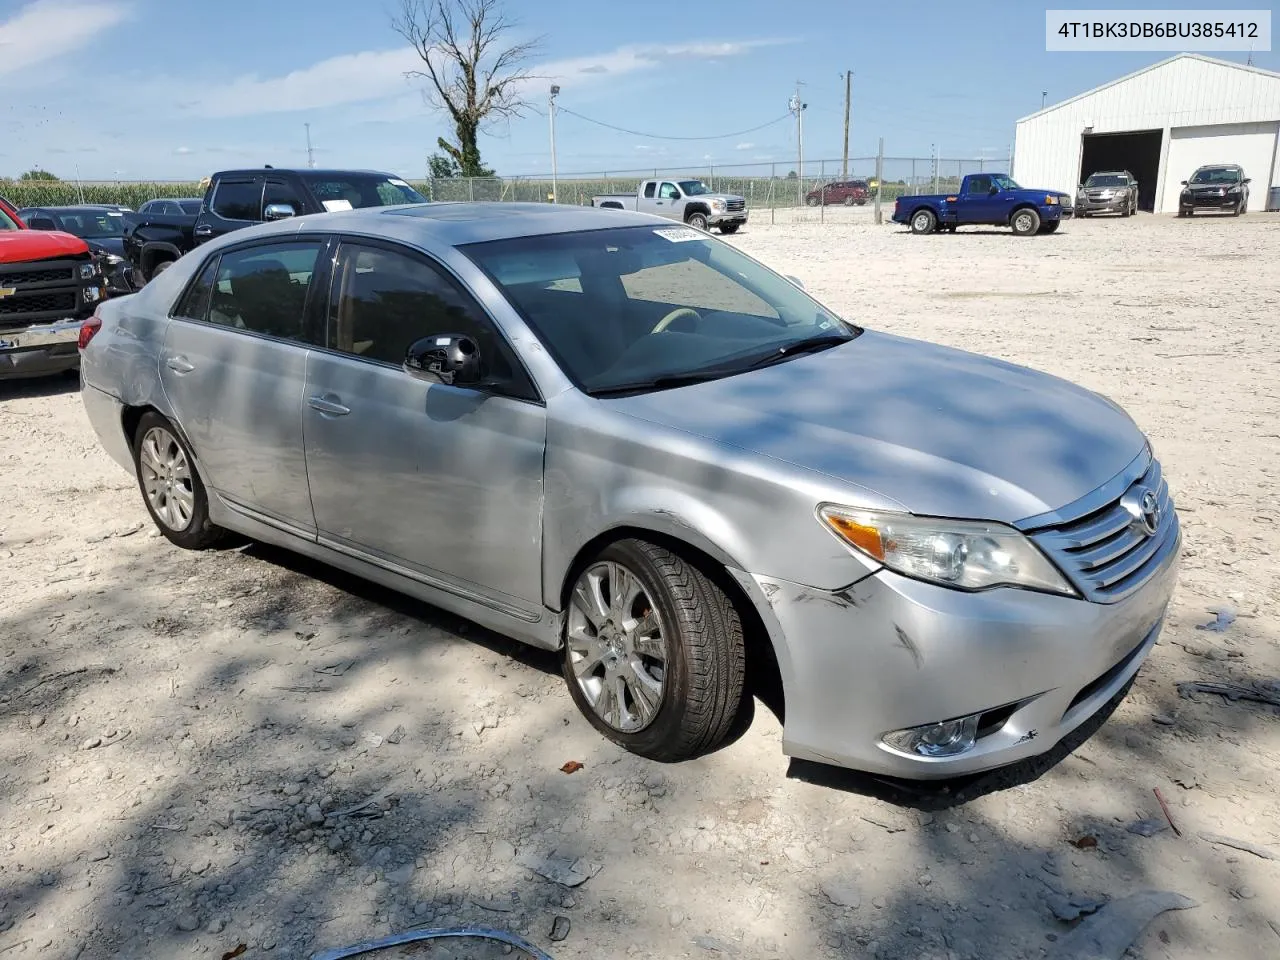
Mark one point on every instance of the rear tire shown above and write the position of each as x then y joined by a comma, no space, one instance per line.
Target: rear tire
730,228
1025,222
923,222
657,665
811,201
697,220
848,201
171,487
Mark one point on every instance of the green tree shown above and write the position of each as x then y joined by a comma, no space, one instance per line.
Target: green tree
442,166
473,73
37,173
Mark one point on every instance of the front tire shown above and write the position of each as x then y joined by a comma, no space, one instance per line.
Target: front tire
811,201
923,222
697,220
730,228
1051,227
171,487
1025,222
848,201
654,654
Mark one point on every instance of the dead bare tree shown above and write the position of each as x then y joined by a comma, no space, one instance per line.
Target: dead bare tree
472,74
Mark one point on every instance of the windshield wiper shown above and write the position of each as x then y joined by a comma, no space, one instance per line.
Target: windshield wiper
812,345
662,383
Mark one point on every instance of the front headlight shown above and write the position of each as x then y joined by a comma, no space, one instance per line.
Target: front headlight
964,554
1051,200
717,204
88,270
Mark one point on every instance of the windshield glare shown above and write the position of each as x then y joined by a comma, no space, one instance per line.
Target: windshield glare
693,188
1106,180
627,306
334,193
1216,175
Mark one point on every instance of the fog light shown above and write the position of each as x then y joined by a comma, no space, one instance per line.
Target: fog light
91,294
947,739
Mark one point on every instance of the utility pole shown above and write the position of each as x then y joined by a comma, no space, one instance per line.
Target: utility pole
848,90
551,114
311,162
1043,94
798,107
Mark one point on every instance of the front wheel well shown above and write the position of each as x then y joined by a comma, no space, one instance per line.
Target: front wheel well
1026,205
763,678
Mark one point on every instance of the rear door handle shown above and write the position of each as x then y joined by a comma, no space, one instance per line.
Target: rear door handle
179,364
204,230
328,405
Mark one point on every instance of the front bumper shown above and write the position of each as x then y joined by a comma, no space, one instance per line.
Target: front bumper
890,653
730,217
40,349
1209,202
1110,205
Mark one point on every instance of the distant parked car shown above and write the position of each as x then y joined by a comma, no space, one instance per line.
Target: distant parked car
1221,187
985,198
1113,191
627,441
847,192
171,207
101,226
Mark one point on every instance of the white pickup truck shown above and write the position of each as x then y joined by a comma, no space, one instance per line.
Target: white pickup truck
685,199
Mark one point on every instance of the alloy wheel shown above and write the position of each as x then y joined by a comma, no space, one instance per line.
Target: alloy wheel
166,479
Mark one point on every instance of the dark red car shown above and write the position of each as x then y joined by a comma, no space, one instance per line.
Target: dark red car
847,192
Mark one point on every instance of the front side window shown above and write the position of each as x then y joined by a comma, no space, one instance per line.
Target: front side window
263,289
668,192
277,192
383,301
629,308
238,199
979,185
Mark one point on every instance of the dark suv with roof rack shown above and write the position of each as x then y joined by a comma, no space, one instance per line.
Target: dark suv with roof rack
1221,186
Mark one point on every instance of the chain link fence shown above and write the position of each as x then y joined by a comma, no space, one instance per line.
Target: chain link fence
768,186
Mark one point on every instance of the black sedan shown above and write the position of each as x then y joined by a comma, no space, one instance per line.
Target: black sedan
1222,187
101,226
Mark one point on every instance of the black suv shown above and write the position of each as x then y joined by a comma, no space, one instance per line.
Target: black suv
1222,187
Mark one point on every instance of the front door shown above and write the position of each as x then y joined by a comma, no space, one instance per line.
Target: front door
443,481
978,204
234,368
236,203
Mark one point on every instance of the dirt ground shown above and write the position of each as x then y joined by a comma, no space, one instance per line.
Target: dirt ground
204,750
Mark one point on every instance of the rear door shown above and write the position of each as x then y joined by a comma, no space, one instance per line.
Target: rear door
234,368
236,203
647,199
441,481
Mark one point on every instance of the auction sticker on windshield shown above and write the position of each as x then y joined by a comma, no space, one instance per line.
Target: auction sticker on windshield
678,234
335,206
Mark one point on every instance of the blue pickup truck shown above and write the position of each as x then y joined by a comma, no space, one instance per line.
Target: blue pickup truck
986,199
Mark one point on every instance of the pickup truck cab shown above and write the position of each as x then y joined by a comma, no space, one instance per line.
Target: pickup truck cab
990,199
49,282
685,199
236,199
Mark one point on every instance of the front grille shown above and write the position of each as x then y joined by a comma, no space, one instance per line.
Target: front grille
1105,552
16,277
54,302
735,206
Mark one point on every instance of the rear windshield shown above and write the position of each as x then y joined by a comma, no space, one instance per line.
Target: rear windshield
350,191
189,207
1216,175
1106,180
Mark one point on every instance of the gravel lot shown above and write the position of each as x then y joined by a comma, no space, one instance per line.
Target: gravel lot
204,750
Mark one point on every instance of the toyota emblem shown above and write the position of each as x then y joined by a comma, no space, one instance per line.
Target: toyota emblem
1143,506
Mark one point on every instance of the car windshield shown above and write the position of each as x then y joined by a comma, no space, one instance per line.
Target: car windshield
347,191
1003,182
1216,175
1106,180
92,224
638,308
693,188
189,207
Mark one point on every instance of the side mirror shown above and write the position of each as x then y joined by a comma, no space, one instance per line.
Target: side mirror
1183,182
1247,180
795,280
451,358
278,211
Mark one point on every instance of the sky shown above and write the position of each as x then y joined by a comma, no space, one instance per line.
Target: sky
175,89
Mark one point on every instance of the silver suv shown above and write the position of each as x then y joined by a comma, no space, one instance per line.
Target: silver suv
1108,192
623,439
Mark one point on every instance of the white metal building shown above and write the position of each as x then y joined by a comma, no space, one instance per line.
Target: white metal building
1160,124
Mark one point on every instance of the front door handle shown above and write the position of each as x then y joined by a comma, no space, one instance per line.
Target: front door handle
179,364
204,230
328,405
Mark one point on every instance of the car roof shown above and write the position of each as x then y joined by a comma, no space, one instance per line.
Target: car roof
256,171
1219,166
456,224
73,208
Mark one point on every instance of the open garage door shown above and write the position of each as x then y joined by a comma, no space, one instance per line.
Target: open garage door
1251,145
1137,151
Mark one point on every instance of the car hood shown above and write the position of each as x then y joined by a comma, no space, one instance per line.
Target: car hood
940,431
114,245
20,246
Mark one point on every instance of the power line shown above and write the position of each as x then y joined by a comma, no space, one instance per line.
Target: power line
657,136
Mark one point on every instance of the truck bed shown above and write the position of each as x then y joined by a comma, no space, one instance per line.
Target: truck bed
618,201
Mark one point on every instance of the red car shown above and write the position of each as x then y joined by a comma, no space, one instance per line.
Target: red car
49,282
847,192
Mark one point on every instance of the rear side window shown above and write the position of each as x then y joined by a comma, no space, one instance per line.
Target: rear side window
194,304
648,189
238,199
263,289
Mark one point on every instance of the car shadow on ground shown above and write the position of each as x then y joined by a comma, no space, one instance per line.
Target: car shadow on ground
35,387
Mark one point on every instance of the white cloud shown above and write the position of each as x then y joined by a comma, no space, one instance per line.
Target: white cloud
183,151
47,29
745,146
378,75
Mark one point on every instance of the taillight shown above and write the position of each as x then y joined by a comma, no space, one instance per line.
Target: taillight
87,329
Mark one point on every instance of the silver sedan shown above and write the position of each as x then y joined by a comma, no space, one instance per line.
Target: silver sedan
623,439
